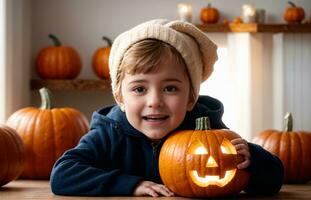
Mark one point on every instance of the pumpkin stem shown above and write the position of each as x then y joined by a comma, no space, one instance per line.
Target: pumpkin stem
107,40
288,121
55,40
292,4
203,123
209,5
45,95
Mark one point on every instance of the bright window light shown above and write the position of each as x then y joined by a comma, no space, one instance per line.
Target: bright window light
219,85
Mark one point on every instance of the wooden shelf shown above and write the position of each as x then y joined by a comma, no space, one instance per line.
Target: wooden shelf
256,28
76,84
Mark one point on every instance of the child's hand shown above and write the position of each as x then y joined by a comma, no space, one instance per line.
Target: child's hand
152,189
242,148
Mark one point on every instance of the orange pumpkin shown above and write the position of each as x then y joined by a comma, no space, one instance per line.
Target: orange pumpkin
58,61
46,133
11,155
202,162
209,14
292,147
294,14
100,60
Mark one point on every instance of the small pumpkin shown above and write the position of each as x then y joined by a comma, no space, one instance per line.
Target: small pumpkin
209,14
100,60
47,133
294,14
202,162
292,147
58,61
11,155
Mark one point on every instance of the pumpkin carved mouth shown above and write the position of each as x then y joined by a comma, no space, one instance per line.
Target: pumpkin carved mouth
212,180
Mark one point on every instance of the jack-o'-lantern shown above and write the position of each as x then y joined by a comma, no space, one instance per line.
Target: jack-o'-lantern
202,162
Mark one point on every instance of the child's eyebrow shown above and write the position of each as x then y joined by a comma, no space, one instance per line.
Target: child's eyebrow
165,80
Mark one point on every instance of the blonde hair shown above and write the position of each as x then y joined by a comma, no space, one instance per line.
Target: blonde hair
144,57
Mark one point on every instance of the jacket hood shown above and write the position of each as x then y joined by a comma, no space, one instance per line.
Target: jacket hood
205,106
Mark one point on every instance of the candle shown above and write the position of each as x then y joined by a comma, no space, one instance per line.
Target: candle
248,13
185,12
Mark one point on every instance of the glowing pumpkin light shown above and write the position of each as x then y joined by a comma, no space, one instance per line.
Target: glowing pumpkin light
202,162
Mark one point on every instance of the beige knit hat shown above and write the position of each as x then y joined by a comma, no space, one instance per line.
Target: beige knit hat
197,50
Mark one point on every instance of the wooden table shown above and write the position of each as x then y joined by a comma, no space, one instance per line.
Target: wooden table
30,189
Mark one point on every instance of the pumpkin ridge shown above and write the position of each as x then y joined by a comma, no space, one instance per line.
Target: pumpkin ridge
300,172
193,190
31,145
5,168
181,187
18,148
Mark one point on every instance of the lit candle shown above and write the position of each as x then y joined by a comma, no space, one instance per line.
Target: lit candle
185,12
248,13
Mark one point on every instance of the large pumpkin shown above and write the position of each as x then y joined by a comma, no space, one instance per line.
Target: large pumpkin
294,14
202,162
292,147
100,60
209,14
11,155
58,61
47,133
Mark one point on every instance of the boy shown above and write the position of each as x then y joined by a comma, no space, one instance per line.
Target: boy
156,70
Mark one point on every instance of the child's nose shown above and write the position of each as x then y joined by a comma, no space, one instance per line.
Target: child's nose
155,100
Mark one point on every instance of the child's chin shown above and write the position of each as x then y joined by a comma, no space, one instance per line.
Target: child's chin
156,136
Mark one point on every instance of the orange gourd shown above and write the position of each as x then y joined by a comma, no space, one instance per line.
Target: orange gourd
47,133
11,155
294,14
58,61
292,147
100,60
202,162
209,14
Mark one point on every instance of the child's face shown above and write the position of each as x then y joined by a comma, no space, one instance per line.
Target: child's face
156,103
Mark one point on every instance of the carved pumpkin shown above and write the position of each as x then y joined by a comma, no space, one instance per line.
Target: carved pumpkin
58,62
292,147
209,14
47,133
294,14
11,155
202,162
100,60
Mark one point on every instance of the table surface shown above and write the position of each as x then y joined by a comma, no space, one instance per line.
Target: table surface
38,189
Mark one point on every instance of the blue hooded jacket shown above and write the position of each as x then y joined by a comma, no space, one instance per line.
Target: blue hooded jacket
113,157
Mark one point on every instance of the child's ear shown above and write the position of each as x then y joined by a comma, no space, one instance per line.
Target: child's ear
120,103
190,105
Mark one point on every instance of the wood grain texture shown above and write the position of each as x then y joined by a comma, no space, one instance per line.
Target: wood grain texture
256,28
76,84
29,189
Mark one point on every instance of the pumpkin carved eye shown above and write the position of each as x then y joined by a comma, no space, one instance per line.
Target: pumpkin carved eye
226,147
197,148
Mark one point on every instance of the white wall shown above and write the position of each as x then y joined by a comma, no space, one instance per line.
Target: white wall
15,67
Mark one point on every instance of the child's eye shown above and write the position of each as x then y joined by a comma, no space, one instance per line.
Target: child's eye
170,88
139,90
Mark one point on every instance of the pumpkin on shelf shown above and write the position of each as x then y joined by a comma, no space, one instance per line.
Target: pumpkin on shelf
292,147
202,162
47,133
100,60
209,14
11,155
294,14
58,61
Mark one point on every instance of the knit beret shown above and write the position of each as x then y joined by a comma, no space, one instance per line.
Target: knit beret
197,50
